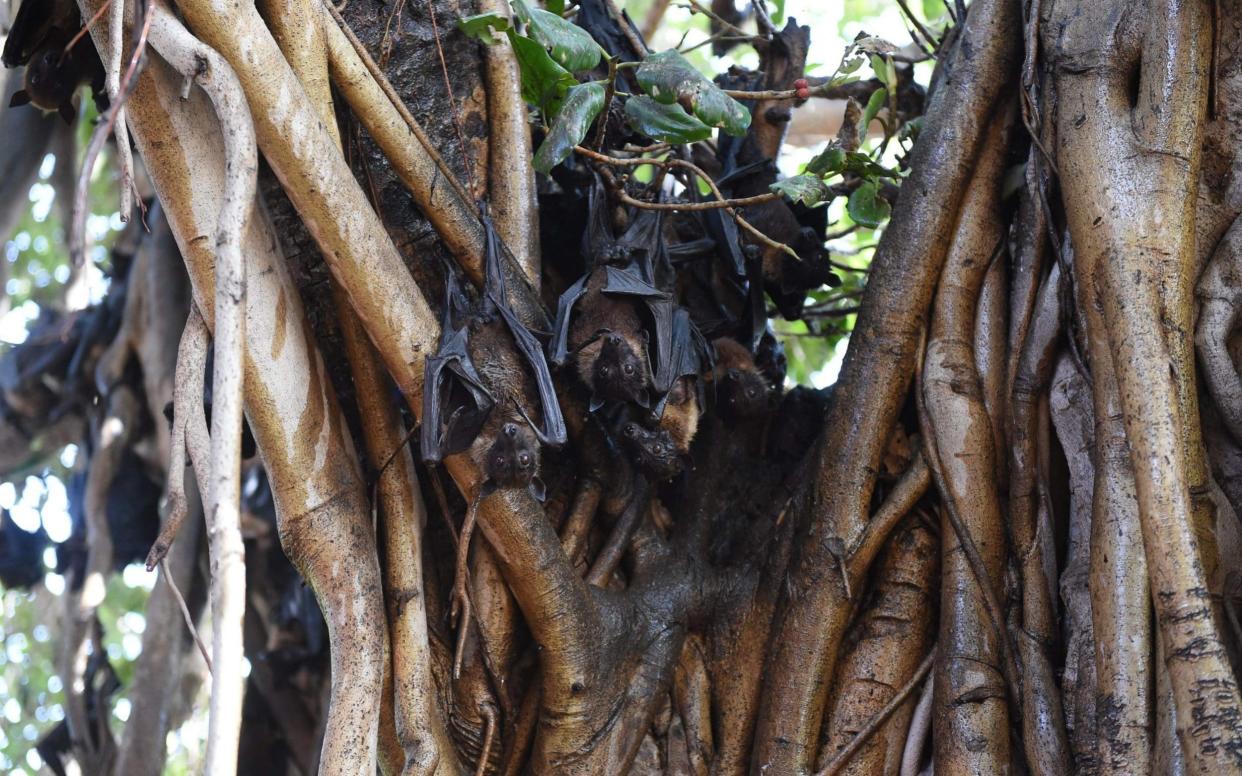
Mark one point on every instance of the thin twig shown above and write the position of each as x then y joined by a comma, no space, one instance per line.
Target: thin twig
720,202
448,86
185,613
875,723
382,81
77,230
85,29
610,89
695,6
918,25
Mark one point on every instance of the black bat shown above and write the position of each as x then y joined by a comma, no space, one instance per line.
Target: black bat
39,40
487,370
630,339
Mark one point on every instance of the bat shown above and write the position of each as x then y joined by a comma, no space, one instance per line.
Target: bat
741,389
488,368
629,339
653,451
38,39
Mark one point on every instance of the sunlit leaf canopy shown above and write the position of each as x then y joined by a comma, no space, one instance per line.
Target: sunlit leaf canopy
36,264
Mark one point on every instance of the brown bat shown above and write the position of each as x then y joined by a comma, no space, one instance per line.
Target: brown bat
741,389
40,40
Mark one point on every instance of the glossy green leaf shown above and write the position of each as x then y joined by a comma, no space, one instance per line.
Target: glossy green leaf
874,104
866,206
666,123
556,6
807,189
669,78
544,83
582,104
481,26
571,47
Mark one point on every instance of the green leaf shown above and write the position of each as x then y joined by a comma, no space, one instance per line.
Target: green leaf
834,160
807,189
866,207
830,161
874,104
572,47
669,78
582,105
864,166
544,83
910,130
558,6
666,123
778,11
480,26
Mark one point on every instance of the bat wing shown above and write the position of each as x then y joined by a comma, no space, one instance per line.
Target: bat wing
723,231
553,430
644,240
597,239
30,28
559,346
629,282
688,352
455,401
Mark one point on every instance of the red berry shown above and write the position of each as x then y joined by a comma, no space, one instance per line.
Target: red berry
801,84
803,93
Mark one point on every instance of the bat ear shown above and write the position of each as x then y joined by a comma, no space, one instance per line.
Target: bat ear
537,489
20,97
596,403
67,113
643,399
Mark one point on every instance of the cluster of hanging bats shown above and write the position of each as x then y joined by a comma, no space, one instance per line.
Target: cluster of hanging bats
634,358
641,364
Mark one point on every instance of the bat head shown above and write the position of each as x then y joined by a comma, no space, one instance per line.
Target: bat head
51,79
620,374
653,451
742,394
513,459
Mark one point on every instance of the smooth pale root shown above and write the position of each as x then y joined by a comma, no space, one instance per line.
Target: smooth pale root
874,382
511,179
413,736
291,407
971,693
1130,178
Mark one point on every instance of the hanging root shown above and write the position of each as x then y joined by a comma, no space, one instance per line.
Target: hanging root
460,611
189,429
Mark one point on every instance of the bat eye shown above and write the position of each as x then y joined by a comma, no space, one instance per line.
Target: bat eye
751,393
628,369
605,370
631,430
510,430
524,460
